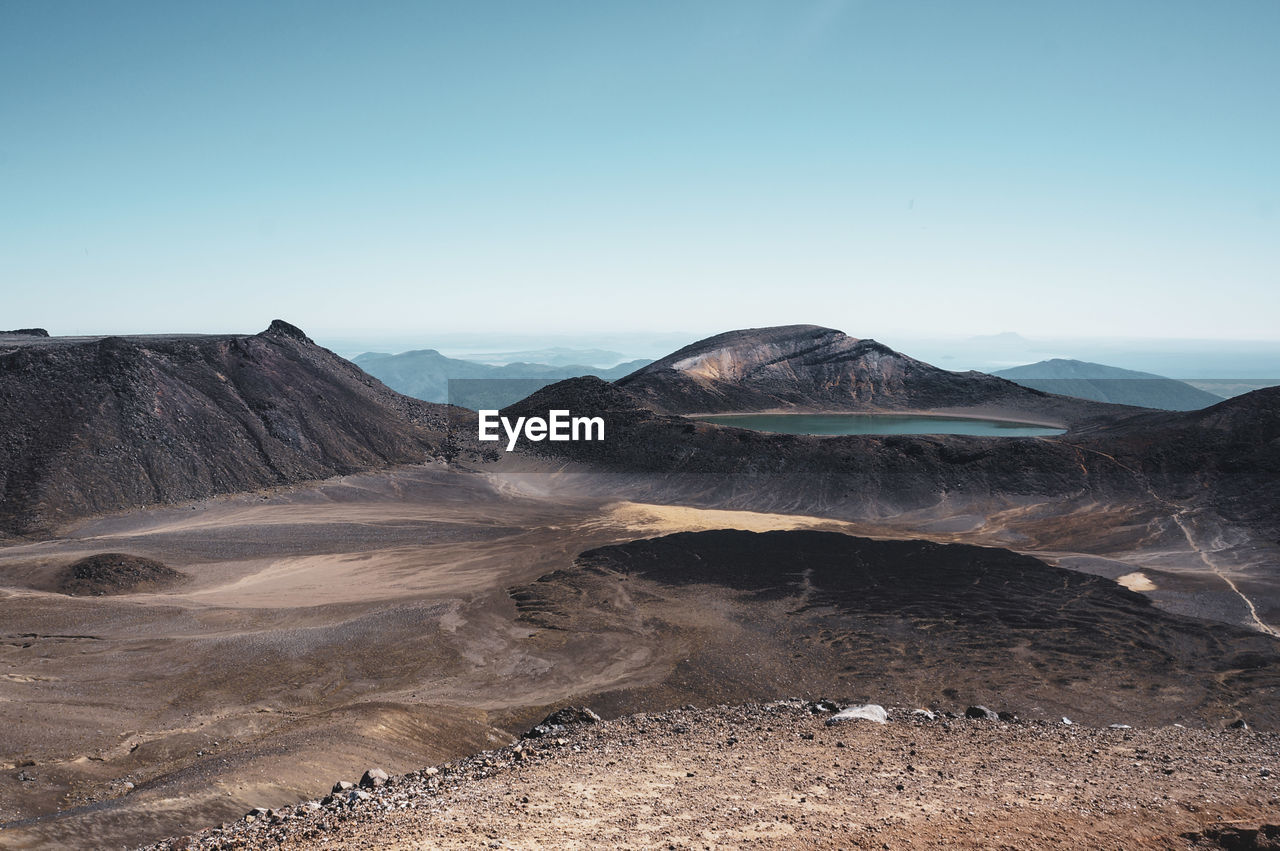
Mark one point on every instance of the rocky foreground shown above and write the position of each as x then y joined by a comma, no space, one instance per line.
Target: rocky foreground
794,775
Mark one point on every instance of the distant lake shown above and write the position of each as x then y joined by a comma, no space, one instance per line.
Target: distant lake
878,424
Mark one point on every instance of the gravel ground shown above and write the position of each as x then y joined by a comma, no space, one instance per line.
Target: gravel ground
778,776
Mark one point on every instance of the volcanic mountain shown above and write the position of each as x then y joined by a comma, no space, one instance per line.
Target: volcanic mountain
96,424
809,368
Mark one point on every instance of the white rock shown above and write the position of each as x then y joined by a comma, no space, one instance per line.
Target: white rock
864,712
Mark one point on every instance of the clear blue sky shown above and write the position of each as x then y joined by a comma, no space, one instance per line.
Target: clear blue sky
1079,168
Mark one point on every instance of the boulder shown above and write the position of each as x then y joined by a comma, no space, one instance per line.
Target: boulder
861,712
571,715
982,713
561,718
373,778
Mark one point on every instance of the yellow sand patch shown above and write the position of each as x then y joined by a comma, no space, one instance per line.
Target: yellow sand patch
663,519
1137,581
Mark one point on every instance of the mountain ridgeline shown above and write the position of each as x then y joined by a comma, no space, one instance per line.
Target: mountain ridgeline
93,425
1104,383
805,368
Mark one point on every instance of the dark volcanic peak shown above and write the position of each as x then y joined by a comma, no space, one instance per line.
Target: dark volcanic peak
584,394
99,424
809,368
280,328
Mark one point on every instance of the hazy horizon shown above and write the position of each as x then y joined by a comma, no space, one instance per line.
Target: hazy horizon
1172,357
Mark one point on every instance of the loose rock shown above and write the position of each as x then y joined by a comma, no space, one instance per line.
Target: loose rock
373,778
982,713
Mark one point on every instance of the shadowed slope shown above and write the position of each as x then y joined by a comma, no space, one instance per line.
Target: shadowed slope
826,613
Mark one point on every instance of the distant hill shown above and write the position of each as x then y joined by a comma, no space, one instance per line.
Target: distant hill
425,374
810,368
96,424
1103,383
553,356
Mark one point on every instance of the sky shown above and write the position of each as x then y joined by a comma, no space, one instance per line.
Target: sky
410,168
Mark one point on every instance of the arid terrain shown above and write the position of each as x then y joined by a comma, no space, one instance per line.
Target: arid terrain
777,775
179,647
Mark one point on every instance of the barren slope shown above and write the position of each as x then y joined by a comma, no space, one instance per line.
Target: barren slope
775,776
89,425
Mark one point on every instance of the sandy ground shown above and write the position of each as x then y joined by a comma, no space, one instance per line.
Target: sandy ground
777,776
366,619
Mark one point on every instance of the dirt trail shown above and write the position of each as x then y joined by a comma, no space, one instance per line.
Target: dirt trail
1178,513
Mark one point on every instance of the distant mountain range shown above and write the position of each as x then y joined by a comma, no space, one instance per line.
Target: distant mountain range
1103,383
425,374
